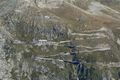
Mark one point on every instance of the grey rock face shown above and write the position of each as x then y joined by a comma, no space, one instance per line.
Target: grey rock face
5,65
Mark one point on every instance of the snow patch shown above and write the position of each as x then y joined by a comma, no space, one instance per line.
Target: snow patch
49,3
95,8
18,42
118,41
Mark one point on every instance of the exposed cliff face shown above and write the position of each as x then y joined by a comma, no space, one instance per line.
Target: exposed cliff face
34,35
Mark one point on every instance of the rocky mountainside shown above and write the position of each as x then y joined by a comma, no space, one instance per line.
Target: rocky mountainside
59,39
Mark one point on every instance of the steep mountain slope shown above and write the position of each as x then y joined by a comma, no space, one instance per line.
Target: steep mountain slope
35,36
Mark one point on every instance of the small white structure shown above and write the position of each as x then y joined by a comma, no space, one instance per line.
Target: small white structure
41,42
47,17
